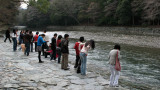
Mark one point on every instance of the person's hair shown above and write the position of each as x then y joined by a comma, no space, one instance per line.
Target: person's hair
26,31
14,31
37,33
117,46
55,34
59,37
44,31
81,39
91,42
42,35
66,35
30,32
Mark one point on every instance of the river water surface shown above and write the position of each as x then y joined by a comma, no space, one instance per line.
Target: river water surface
140,63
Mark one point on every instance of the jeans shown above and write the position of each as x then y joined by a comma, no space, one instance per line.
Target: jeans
14,44
59,55
83,58
114,76
27,45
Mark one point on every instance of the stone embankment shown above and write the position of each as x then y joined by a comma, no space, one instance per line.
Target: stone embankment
21,72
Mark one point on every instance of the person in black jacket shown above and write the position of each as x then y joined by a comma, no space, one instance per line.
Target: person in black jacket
65,52
53,46
7,34
27,41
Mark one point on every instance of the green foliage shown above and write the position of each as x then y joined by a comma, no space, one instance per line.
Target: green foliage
42,5
124,13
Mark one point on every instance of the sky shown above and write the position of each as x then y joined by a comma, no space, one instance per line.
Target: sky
23,5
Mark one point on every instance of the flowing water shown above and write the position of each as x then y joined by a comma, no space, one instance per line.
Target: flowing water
140,64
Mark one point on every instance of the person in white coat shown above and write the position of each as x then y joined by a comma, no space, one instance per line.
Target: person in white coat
112,60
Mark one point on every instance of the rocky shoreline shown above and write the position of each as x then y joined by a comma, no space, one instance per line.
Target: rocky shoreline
23,73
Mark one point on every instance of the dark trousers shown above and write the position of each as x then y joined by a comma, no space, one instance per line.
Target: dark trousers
77,60
53,56
27,45
79,66
59,55
39,56
44,46
31,46
6,39
35,46
14,44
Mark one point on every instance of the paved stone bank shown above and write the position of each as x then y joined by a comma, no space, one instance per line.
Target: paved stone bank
25,73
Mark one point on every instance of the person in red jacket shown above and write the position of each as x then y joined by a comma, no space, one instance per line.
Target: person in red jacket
35,40
76,47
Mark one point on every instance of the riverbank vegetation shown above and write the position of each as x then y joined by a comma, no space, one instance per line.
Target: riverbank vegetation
8,11
42,13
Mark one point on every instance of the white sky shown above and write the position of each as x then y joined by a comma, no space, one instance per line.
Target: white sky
24,5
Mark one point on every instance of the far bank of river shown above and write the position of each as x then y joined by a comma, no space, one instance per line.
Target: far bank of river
136,36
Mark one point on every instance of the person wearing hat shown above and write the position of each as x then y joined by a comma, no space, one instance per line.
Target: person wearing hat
39,46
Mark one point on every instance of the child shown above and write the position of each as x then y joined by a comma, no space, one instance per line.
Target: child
83,54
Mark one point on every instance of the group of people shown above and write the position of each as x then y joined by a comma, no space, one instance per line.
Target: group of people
59,48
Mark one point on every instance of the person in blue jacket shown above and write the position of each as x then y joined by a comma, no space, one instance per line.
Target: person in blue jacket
39,46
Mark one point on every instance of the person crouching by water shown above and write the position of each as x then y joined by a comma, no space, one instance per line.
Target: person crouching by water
65,52
39,46
83,54
112,60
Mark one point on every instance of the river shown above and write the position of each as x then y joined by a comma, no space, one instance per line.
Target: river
140,61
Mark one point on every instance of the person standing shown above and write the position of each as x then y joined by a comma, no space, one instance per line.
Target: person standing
53,46
40,41
84,53
112,59
21,37
7,34
45,45
65,52
14,38
31,43
27,40
76,47
35,40
59,48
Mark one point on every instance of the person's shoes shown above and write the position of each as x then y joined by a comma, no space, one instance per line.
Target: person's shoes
75,66
27,54
66,69
41,61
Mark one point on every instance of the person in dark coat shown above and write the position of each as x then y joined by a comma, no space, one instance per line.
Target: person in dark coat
27,41
7,34
53,46
65,52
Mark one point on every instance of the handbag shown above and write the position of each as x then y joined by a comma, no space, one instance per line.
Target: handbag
117,65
